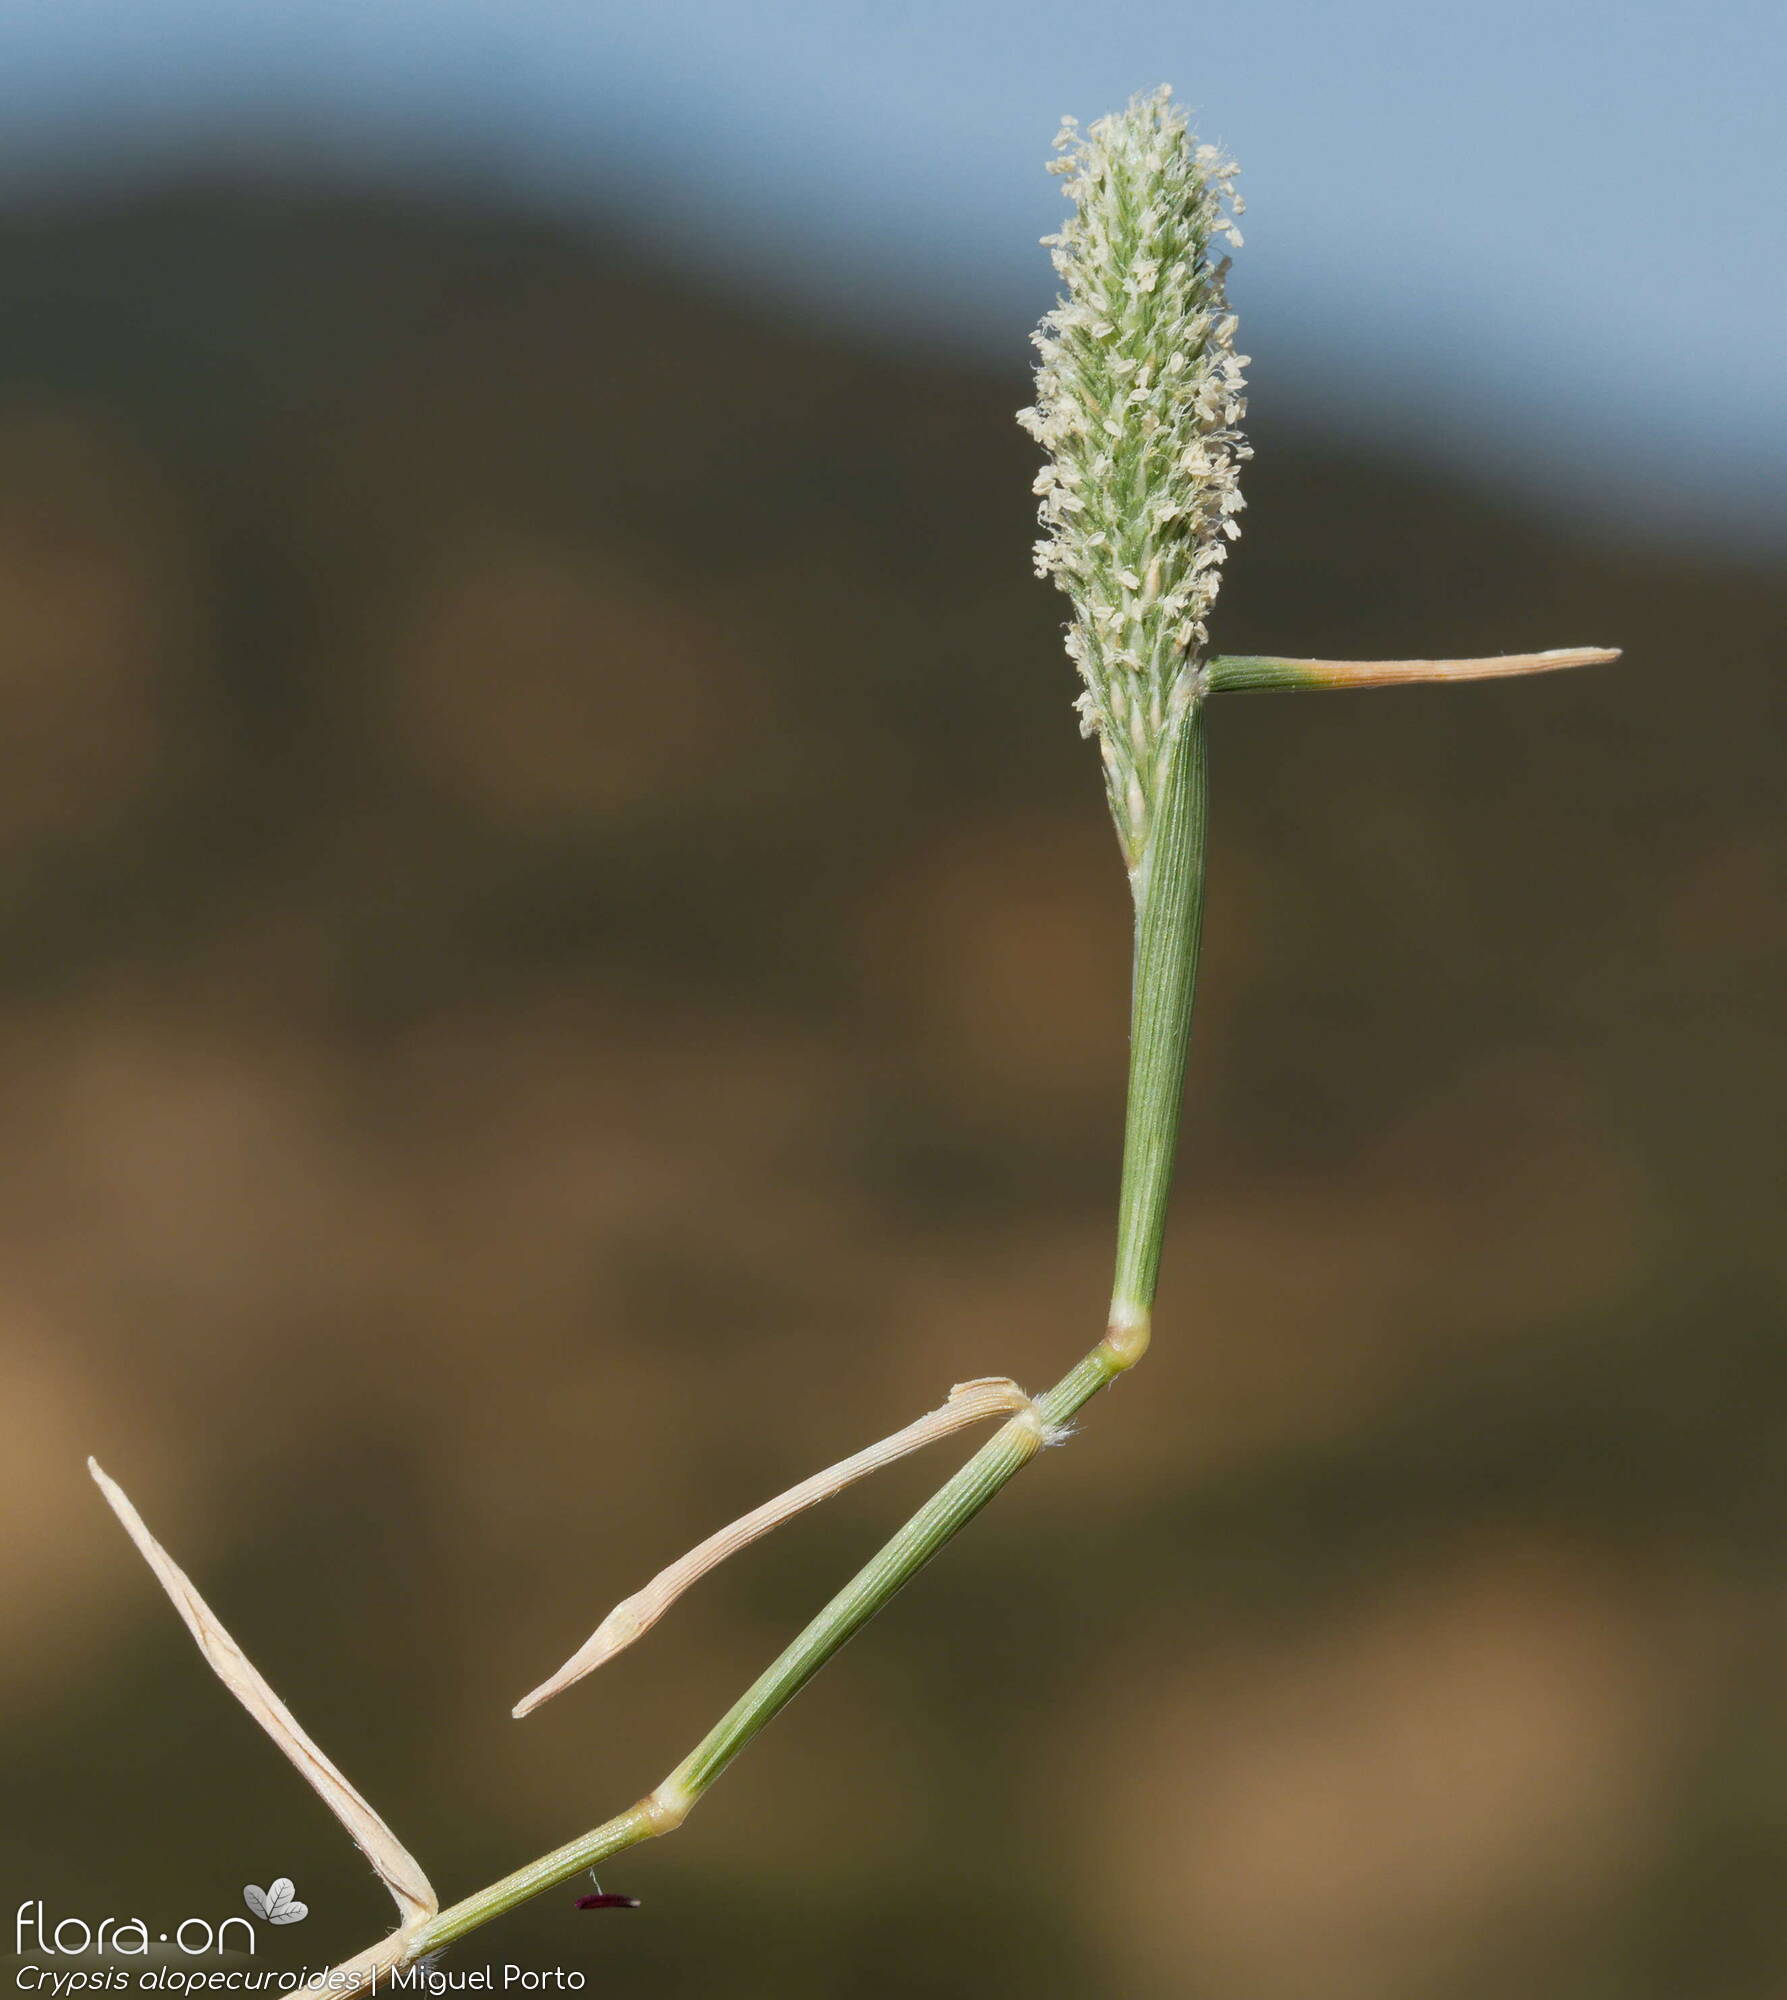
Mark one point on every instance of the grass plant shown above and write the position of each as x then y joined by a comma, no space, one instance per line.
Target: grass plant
1140,400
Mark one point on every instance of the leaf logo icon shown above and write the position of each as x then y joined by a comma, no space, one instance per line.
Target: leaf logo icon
277,1903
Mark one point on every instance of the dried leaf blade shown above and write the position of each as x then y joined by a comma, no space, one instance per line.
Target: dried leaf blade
397,1868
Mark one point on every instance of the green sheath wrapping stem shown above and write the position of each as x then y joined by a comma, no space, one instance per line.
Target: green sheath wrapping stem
1169,898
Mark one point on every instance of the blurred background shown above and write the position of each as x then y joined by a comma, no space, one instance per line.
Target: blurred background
561,965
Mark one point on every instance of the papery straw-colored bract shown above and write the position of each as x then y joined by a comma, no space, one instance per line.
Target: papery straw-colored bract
1138,403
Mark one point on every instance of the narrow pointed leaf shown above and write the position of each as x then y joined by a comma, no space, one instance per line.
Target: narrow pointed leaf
1240,673
397,1868
969,1403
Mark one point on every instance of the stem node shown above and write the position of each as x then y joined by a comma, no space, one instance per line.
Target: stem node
665,1809
1126,1338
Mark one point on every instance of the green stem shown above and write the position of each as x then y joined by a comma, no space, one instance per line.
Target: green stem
1168,887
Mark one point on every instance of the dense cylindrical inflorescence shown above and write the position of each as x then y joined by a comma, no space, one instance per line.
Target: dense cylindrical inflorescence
1139,395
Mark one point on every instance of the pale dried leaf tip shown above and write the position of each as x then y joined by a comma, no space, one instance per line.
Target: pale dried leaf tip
969,1403
397,1868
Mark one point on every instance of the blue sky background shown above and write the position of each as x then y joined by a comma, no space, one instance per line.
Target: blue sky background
1549,238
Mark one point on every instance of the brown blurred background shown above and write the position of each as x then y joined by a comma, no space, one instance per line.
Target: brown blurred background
561,965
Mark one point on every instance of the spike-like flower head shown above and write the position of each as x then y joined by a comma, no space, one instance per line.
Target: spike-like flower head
1138,403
